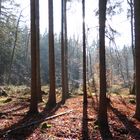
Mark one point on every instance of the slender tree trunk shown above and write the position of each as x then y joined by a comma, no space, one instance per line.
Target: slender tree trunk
132,30
63,53
137,57
34,71
38,52
92,74
52,96
132,44
66,49
27,52
102,116
131,4
84,55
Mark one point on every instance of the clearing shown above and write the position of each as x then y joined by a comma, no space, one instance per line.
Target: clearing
80,123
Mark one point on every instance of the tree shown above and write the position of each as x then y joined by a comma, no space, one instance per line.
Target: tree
84,54
14,47
34,64
137,56
52,96
38,52
131,5
63,54
102,116
8,26
64,51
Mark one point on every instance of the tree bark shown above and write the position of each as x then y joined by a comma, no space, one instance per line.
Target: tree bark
137,57
84,55
64,51
63,54
52,96
38,52
102,116
131,4
34,74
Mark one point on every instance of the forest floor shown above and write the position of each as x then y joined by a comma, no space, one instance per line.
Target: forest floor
80,123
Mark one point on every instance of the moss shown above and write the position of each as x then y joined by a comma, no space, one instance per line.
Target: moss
132,101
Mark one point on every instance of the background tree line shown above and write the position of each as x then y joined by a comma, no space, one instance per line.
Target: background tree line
19,38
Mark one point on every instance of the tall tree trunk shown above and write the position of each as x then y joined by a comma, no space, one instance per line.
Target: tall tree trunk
64,51
92,74
131,4
102,116
84,55
52,96
38,52
137,57
27,52
34,71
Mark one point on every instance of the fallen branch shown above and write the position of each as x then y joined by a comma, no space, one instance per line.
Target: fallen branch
35,122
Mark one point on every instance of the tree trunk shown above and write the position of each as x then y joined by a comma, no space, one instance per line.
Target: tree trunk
38,52
131,3
102,118
84,55
52,96
137,57
34,73
64,51
92,74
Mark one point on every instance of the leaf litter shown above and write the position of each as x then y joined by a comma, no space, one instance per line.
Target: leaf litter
75,125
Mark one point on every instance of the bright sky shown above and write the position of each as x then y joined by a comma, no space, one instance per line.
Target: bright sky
74,19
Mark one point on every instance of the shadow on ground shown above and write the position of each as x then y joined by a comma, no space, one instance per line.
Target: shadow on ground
130,128
21,130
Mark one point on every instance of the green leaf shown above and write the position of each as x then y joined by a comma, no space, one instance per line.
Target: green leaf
45,126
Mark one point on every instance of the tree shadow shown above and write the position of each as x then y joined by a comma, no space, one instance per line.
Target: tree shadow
124,102
22,129
129,125
95,103
105,132
85,134
12,111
